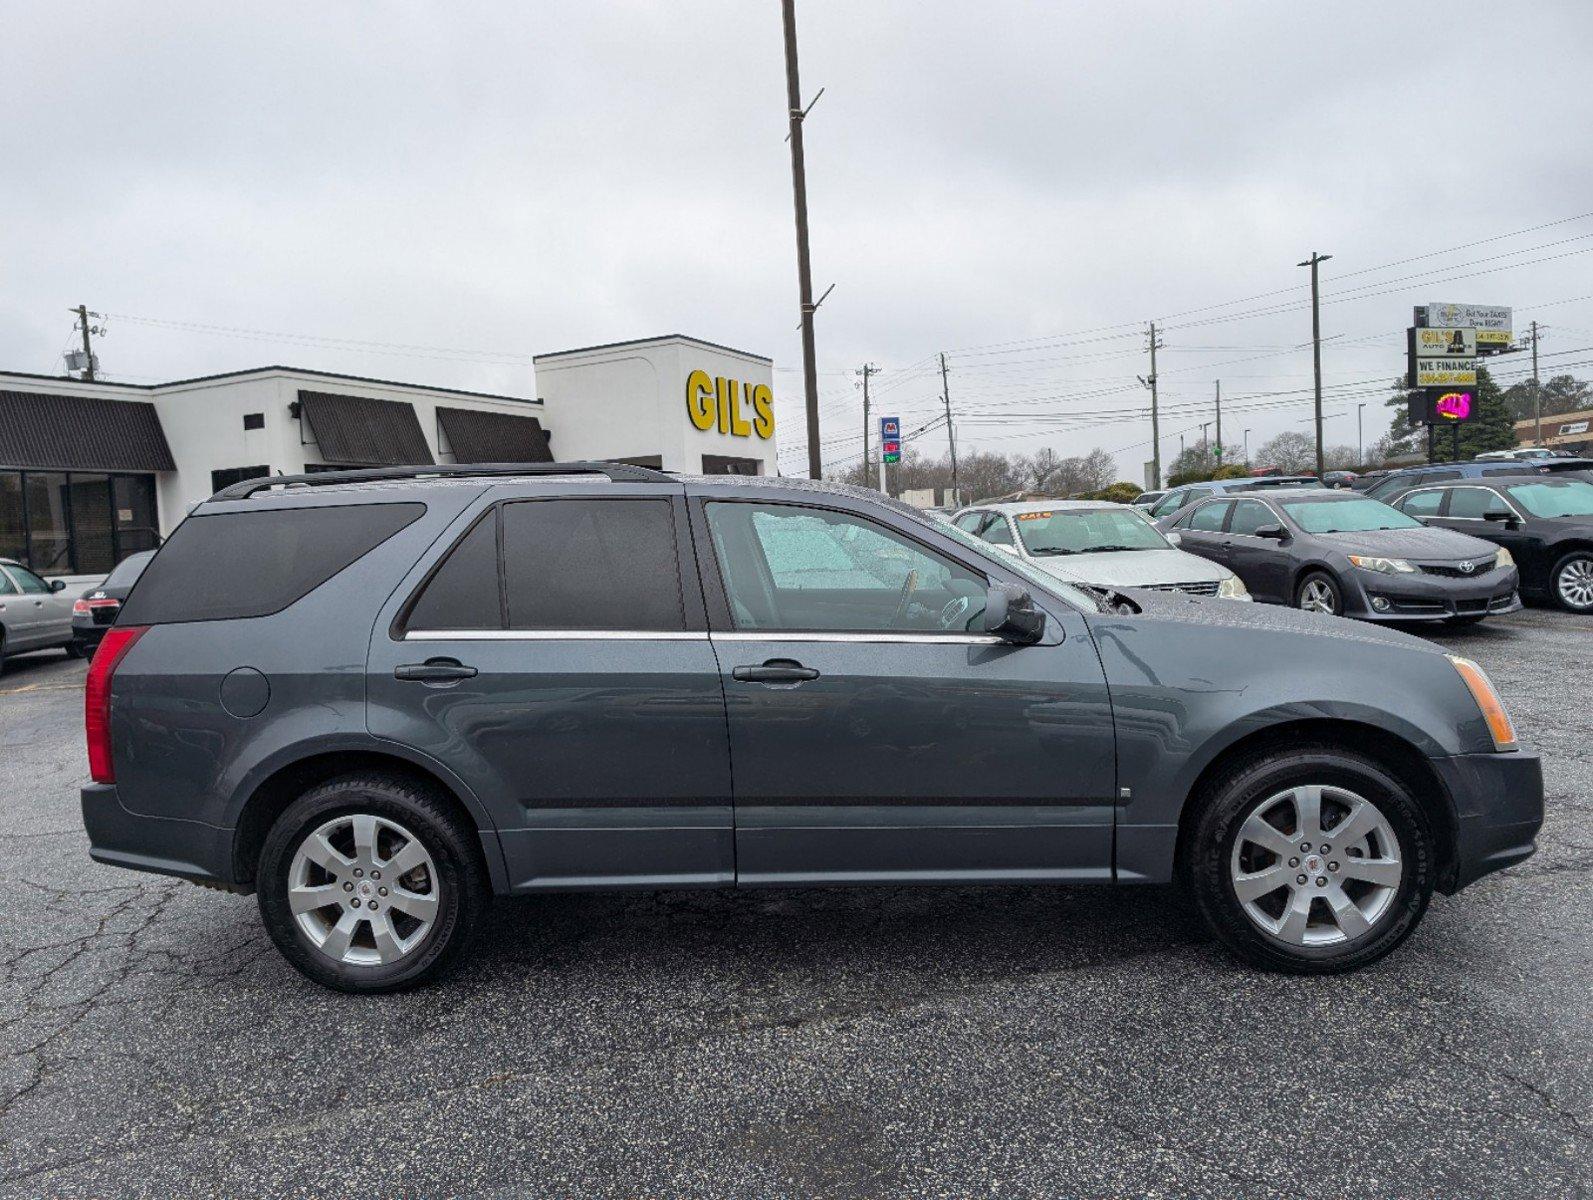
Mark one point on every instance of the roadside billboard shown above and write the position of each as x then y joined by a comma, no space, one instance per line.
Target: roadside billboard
1491,321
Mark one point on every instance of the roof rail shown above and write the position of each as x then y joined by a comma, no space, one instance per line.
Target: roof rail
616,472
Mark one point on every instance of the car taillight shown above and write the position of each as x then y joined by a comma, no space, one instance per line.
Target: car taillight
97,699
82,608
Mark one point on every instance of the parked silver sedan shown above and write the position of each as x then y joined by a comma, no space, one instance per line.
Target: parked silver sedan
34,615
1098,543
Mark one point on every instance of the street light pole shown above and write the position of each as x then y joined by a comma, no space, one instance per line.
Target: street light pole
1316,348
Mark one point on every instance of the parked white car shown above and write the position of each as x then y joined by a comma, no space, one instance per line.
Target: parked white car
34,614
1098,543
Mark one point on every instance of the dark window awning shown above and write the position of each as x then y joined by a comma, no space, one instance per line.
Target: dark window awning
43,431
362,431
486,437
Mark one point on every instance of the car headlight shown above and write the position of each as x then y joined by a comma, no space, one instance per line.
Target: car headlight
1493,709
1504,559
1233,588
1383,566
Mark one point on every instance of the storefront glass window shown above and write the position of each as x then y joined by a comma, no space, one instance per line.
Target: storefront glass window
13,529
134,501
50,537
93,545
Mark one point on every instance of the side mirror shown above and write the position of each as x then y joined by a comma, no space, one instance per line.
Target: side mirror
58,585
1010,614
1174,538
1276,533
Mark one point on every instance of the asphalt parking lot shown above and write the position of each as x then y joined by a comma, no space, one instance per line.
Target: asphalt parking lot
1079,1042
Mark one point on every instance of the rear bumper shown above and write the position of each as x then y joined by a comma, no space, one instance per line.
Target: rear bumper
1498,802
120,838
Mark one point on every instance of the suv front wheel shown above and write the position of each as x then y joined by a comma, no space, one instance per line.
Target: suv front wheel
1311,860
369,884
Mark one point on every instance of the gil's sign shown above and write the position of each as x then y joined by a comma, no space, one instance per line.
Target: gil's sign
725,403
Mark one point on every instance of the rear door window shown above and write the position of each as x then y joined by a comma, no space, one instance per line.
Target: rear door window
1208,517
1421,504
223,566
583,564
1249,516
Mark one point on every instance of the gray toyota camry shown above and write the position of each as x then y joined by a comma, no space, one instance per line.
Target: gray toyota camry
377,699
1344,554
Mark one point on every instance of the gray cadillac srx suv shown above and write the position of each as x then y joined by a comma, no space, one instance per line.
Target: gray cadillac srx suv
377,698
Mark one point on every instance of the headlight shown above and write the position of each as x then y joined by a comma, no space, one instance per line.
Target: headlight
1493,709
1233,588
1383,566
1504,559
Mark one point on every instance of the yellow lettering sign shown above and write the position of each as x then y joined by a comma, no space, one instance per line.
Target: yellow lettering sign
726,403
700,406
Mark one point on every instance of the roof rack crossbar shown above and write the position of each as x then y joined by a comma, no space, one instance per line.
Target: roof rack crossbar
616,472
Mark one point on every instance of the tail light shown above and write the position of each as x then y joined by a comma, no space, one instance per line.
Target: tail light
97,699
81,608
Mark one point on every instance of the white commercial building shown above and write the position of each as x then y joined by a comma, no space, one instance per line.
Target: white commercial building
91,471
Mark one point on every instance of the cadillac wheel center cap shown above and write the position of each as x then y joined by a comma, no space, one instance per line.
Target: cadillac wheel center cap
368,889
1313,864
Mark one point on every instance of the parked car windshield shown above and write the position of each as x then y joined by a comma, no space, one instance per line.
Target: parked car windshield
1554,498
1346,516
1087,531
1046,583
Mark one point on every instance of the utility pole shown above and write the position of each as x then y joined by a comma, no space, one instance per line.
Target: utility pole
865,371
799,191
1219,422
1247,449
88,351
1537,405
1156,432
1316,348
1360,454
951,434
1205,446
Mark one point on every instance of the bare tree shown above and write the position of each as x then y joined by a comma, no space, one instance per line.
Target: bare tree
1294,453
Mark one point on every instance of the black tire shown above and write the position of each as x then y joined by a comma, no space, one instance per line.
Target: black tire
74,649
1334,592
1247,786
460,885
1579,560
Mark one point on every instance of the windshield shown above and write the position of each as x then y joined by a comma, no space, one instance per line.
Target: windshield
1554,498
1087,531
1078,597
1346,516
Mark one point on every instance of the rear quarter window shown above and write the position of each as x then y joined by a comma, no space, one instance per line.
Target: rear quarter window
225,566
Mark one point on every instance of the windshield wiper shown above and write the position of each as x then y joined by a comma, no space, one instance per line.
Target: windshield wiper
1049,551
1112,549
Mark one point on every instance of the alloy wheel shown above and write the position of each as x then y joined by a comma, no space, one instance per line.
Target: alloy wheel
364,890
1316,866
1575,583
1317,596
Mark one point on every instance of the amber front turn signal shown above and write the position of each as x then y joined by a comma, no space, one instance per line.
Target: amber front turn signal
1493,709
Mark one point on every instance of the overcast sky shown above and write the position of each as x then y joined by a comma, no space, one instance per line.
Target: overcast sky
435,192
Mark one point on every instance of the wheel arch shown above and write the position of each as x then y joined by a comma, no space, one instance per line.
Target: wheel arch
1400,757
288,780
1317,566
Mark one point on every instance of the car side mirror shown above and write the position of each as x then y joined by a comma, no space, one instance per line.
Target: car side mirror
1276,533
1174,538
1010,614
58,585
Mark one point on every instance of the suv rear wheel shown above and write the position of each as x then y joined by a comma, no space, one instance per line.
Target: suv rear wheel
369,884
1311,860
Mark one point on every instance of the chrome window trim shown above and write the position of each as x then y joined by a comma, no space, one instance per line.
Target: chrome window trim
944,639
698,635
555,635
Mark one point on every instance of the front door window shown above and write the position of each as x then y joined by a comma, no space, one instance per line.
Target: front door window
787,567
